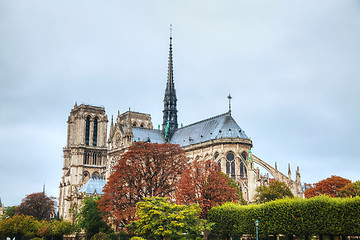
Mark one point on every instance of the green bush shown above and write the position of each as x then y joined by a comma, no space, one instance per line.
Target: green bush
315,216
100,236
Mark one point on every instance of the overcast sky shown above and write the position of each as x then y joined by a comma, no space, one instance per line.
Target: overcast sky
292,67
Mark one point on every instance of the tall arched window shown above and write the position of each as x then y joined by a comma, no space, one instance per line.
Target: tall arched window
219,164
233,169
86,158
230,164
243,154
95,131
241,169
94,158
87,131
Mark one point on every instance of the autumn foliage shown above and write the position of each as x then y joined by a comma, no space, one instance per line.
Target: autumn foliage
204,184
330,187
37,205
145,170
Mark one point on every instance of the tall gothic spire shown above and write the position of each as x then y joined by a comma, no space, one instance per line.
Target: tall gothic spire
170,123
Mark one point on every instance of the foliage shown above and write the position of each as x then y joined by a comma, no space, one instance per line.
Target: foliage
28,226
320,215
9,212
330,187
37,205
233,184
145,170
159,218
137,238
204,184
90,217
19,225
350,190
275,190
55,228
100,236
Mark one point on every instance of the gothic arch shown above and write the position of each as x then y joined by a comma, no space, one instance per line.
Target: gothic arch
86,176
95,175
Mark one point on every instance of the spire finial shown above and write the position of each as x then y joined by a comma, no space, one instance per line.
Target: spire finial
170,31
229,97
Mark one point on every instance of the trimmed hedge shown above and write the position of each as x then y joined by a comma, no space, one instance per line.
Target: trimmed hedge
316,216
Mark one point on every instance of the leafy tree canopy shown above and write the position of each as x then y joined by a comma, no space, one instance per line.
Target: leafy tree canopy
330,187
350,190
9,212
28,226
275,190
37,205
19,225
204,184
145,170
90,217
160,219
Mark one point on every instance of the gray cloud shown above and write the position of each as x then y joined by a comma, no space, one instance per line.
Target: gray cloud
292,68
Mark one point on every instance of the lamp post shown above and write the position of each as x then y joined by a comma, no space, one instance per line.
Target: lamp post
120,226
256,226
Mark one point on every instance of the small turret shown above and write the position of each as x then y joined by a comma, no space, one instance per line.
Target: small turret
289,172
298,179
112,126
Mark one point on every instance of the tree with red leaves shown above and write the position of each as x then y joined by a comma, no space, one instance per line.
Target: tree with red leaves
37,205
145,170
330,187
204,184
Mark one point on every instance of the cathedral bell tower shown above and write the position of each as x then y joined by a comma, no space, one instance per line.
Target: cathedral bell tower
85,154
170,124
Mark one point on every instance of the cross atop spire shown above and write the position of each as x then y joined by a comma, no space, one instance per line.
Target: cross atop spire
229,97
170,112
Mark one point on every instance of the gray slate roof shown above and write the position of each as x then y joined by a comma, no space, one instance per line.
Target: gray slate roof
147,135
221,126
92,185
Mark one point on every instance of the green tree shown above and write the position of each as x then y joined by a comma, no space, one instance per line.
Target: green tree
55,228
90,217
275,190
350,190
9,212
18,226
160,219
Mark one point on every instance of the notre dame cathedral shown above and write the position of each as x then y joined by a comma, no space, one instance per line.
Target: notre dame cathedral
90,153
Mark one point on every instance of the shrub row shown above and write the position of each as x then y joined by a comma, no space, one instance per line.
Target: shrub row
316,216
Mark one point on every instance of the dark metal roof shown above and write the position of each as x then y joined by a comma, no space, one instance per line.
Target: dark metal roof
147,135
221,126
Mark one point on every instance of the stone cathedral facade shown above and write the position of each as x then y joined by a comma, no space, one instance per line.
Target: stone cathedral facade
91,153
